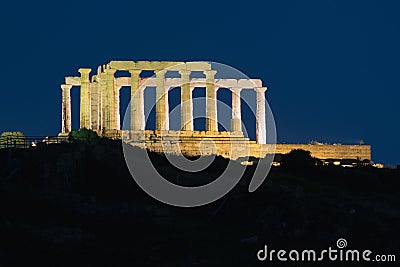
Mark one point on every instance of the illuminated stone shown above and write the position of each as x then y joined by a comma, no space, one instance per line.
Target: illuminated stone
85,103
211,103
261,133
236,121
66,108
99,111
186,101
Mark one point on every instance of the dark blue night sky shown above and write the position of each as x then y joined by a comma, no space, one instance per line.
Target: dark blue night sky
332,67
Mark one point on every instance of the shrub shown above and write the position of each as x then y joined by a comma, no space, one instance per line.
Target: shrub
298,159
84,135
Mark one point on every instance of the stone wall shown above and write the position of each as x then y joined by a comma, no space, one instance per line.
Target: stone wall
324,151
234,145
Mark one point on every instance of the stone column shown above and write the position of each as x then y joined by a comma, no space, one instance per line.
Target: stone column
236,121
109,100
66,108
161,101
104,99
95,104
211,101
166,90
116,106
186,101
85,108
137,102
100,76
261,130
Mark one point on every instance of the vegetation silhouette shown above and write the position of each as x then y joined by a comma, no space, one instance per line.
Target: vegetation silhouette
298,159
76,204
84,135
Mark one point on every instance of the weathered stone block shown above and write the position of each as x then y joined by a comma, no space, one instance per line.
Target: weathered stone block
198,66
122,65
75,81
249,83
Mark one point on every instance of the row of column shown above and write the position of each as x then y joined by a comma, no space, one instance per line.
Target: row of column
108,99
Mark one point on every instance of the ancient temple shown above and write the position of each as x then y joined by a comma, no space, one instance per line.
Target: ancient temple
100,111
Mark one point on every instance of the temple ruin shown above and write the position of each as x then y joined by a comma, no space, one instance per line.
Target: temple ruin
100,111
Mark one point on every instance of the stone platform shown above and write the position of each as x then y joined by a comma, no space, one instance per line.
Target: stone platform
232,145
192,143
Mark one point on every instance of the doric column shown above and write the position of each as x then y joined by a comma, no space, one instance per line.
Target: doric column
166,90
137,104
186,101
211,101
85,108
161,101
261,131
66,108
236,121
100,76
95,104
109,113
104,99
116,106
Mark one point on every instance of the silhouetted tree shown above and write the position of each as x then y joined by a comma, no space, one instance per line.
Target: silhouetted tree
298,159
84,135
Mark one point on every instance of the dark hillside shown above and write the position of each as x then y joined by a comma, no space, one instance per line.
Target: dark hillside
76,205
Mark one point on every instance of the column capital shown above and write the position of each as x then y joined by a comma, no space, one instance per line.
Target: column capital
237,90
184,72
66,86
160,72
210,73
260,89
84,70
135,72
